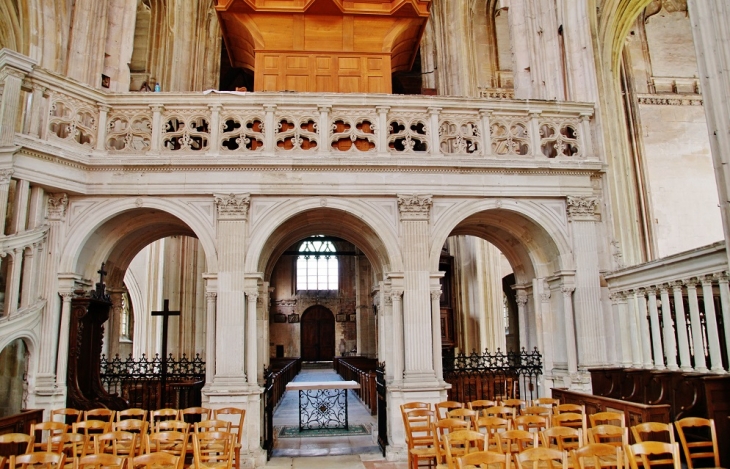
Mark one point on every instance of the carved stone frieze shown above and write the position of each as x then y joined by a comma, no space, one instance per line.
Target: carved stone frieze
674,100
582,208
415,207
232,206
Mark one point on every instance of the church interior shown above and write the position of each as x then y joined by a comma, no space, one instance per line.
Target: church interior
443,200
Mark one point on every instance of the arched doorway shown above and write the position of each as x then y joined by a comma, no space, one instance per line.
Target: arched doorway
318,334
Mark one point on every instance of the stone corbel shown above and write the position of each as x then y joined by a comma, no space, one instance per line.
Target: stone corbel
57,204
232,206
414,207
582,208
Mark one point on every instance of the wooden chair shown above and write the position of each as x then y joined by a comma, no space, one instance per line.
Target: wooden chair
154,461
408,406
160,415
131,425
467,415
570,419
550,458
193,415
172,426
68,415
105,415
73,445
597,456
500,411
46,460
213,450
443,408
462,442
171,442
562,438
212,426
653,431
545,402
134,413
91,428
611,434
420,427
117,443
480,405
15,444
482,459
43,432
569,408
516,441
608,418
701,446
517,404
531,423
492,426
539,410
100,461
237,417
641,452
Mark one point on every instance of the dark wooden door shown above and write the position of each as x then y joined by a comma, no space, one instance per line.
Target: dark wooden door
318,334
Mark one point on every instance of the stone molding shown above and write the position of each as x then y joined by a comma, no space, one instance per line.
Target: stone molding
670,100
232,206
414,207
582,208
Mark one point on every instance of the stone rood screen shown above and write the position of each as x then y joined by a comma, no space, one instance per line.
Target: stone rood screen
345,46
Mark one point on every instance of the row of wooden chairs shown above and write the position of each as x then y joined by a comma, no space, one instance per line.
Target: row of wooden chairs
210,450
190,414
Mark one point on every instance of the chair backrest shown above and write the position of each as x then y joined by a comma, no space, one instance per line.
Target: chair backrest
133,413
67,415
490,426
500,411
91,427
535,423
131,425
44,431
467,415
653,431
452,424
173,442
641,451
701,446
545,402
160,415
94,461
611,434
562,438
36,460
213,447
118,443
570,408
597,456
22,442
608,418
443,408
482,459
237,418
570,419
516,404
419,427
541,410
71,444
193,415
480,404
533,457
466,440
516,441
408,406
154,460
107,415
172,425
212,426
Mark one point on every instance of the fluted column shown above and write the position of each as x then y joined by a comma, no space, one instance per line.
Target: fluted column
722,281
28,276
49,347
634,329
5,176
713,335
12,291
231,340
694,314
521,299
415,214
210,300
656,333
436,331
569,329
396,298
62,355
587,299
645,329
13,68
670,343
252,296
618,300
685,360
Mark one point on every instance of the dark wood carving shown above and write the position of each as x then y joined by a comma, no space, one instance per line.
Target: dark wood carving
89,311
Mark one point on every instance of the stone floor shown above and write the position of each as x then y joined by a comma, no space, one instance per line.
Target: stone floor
351,452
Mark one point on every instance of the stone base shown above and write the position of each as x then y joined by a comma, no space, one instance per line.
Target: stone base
46,395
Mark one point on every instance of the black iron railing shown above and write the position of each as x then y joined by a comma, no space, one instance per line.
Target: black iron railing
142,383
492,376
382,390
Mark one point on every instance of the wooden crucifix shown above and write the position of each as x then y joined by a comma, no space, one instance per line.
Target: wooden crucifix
165,313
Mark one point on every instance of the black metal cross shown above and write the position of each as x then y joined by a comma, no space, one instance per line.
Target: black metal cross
100,285
165,313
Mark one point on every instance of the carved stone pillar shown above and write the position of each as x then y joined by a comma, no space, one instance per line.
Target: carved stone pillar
56,215
210,300
587,302
230,319
28,290
634,329
722,281
670,343
62,357
252,296
645,329
415,213
13,68
436,330
618,300
111,329
685,361
396,297
696,326
521,299
5,176
656,334
569,329
713,335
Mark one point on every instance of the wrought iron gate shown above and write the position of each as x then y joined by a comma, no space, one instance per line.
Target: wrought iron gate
382,407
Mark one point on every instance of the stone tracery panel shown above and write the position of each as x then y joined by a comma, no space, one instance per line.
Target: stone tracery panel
559,138
187,130
129,131
296,130
510,135
460,134
408,133
242,132
353,132
72,120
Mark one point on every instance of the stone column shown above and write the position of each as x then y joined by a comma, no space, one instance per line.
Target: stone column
634,329
696,325
618,300
415,214
56,215
521,299
13,68
588,312
722,280
12,290
230,312
62,355
396,297
252,296
685,361
710,20
645,329
28,291
569,329
670,343
436,330
656,334
5,176
111,328
713,335
210,299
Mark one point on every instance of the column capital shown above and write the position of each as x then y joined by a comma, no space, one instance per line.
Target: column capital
414,207
721,277
582,208
232,206
567,289
706,279
436,294
211,295
396,294
57,204
617,297
690,282
6,175
252,293
521,299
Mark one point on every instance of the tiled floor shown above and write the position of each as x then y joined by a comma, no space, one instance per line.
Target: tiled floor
352,452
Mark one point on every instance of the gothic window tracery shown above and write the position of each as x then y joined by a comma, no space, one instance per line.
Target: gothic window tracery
317,265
